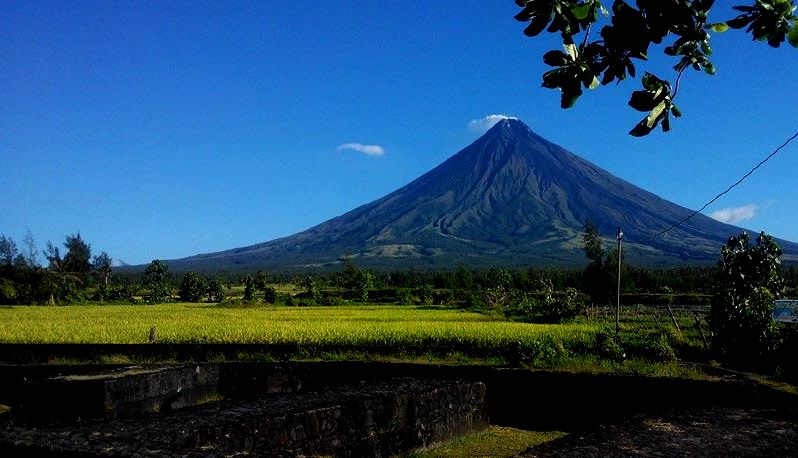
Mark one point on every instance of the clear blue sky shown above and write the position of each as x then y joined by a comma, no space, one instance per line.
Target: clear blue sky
167,129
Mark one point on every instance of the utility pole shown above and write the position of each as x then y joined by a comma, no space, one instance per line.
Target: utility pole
619,236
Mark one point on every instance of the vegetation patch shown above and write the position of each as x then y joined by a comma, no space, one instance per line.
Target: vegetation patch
495,442
422,334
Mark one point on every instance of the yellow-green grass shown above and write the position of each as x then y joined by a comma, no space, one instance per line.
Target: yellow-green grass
352,326
495,442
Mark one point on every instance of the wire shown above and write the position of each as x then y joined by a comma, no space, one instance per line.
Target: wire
727,189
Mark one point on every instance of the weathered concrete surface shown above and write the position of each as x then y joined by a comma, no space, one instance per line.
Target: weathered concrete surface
708,432
293,408
117,393
367,419
561,401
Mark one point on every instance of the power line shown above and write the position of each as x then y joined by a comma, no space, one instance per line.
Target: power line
729,188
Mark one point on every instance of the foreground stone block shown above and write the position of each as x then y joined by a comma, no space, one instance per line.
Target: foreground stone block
118,393
380,418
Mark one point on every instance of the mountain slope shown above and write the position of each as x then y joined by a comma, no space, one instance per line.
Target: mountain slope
509,198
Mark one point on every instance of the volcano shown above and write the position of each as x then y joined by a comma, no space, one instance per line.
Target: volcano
511,198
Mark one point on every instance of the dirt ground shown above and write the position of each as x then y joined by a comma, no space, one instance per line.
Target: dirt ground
714,432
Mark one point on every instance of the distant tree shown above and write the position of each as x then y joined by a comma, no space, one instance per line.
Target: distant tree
349,272
77,258
362,283
101,266
595,279
58,283
215,290
157,280
192,288
261,280
311,288
249,288
53,256
626,36
8,250
464,278
269,295
403,296
749,277
31,253
594,246
425,294
497,288
8,291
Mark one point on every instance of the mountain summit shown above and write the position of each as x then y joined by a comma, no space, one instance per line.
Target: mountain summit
510,198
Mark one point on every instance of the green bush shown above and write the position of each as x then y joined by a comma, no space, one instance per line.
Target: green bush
192,288
425,294
269,295
607,347
741,317
8,293
403,296
332,300
235,302
115,293
551,308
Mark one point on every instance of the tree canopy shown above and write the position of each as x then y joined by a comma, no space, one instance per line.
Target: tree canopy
749,277
682,26
78,256
157,279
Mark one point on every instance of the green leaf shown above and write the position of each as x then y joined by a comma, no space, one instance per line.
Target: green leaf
642,101
594,84
666,123
719,27
555,58
653,118
792,35
580,12
740,21
641,129
567,100
552,79
570,48
525,14
537,25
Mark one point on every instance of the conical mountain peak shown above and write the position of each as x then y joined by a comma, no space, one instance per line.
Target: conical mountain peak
509,128
509,198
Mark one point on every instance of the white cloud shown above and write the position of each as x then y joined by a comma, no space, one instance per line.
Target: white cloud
371,150
482,125
734,215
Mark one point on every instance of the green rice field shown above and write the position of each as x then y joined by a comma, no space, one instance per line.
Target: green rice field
351,326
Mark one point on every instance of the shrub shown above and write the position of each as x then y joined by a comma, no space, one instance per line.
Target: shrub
425,294
269,295
192,288
332,300
741,316
249,288
215,290
607,347
550,308
8,293
117,293
403,296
